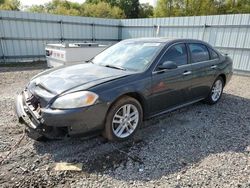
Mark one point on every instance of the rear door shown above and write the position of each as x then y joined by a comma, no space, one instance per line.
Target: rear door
204,62
171,87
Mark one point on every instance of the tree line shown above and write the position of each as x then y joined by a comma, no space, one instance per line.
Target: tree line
166,8
133,8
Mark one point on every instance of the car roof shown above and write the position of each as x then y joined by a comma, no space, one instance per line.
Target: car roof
163,40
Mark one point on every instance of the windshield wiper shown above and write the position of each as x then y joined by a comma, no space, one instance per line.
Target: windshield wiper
115,67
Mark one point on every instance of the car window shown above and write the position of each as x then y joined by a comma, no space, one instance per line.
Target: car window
133,56
199,52
177,54
213,54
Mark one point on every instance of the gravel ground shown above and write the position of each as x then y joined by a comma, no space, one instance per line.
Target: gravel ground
196,146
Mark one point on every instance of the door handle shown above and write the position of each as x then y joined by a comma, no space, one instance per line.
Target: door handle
186,73
213,67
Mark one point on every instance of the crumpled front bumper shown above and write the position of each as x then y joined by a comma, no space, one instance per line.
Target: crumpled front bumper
25,114
28,117
56,123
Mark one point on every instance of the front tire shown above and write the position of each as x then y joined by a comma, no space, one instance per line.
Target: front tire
123,119
216,91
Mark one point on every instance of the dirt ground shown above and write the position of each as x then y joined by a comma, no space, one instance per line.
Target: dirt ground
196,146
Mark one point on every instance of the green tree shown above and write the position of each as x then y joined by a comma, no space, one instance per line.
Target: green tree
130,7
244,6
64,7
133,9
9,5
146,10
58,7
94,1
164,8
102,10
37,8
237,6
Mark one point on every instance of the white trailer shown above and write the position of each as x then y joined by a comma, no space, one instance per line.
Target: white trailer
66,54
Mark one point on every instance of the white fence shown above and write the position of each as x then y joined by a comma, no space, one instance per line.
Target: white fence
228,33
23,35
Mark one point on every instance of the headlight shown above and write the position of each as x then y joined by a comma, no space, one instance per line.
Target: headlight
75,100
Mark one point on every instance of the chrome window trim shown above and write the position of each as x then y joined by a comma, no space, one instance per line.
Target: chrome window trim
203,61
207,51
155,71
211,49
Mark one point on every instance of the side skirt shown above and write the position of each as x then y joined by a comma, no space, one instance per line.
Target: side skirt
175,108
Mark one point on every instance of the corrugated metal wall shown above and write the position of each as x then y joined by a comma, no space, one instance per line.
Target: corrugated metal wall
228,33
24,35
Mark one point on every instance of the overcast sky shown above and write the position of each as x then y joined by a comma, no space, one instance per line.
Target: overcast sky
39,2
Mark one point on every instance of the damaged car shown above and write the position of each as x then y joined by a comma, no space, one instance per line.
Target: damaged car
113,93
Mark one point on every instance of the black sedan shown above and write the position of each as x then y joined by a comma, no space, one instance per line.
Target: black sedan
127,83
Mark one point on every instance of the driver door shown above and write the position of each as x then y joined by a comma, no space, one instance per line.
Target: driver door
171,87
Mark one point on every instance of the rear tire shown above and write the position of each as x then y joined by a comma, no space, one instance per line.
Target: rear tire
123,119
216,91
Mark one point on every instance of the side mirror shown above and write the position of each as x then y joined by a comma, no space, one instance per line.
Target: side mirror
168,65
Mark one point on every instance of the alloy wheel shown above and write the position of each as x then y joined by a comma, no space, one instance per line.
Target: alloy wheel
217,90
125,121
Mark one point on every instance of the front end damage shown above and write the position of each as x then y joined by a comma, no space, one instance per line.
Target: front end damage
33,109
29,112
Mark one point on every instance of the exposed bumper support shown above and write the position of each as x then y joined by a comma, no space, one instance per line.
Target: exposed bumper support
22,110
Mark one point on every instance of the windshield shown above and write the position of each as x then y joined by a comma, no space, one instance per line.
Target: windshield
134,56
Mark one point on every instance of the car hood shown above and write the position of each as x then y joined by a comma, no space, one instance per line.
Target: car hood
63,79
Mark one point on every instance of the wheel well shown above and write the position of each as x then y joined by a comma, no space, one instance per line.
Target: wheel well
223,76
134,95
138,97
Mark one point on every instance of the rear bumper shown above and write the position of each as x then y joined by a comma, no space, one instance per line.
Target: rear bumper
53,122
